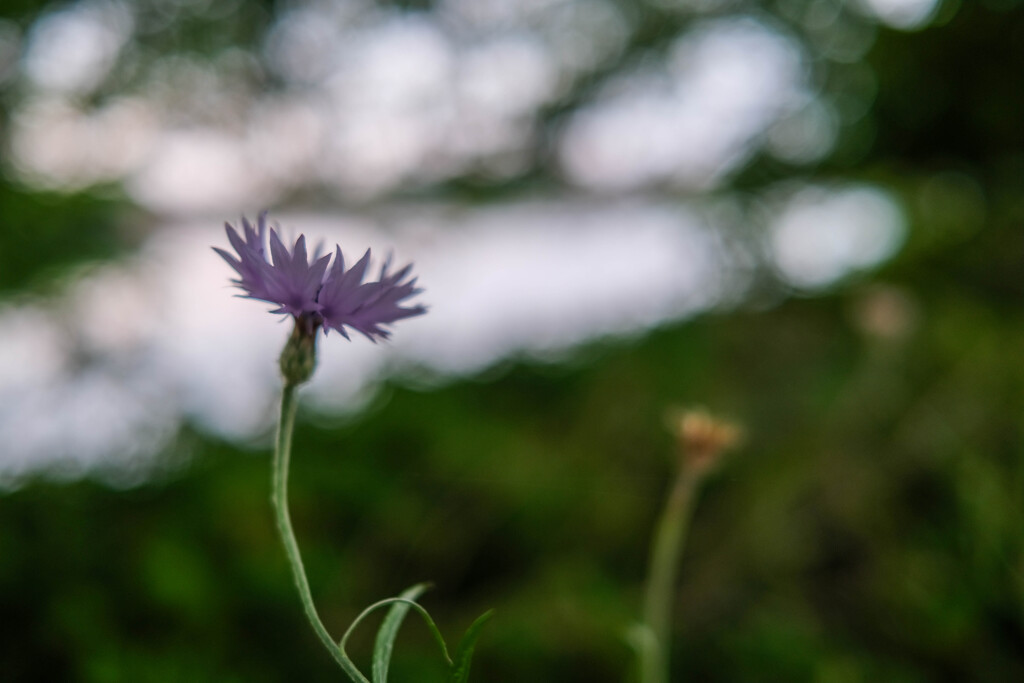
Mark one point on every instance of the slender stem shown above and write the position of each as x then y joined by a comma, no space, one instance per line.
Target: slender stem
282,455
669,537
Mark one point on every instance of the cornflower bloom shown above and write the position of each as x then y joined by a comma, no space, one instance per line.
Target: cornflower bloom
318,293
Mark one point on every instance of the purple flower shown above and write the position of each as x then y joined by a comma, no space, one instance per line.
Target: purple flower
313,293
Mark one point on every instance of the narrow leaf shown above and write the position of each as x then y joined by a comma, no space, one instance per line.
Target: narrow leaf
385,644
464,652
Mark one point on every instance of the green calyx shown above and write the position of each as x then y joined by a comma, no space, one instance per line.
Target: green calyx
298,359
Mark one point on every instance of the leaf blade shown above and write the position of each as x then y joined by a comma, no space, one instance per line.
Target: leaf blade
464,652
385,643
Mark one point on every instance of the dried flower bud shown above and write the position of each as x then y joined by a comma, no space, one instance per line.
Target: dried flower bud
702,437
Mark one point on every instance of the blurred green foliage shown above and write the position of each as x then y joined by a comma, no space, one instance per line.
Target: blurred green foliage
42,234
869,529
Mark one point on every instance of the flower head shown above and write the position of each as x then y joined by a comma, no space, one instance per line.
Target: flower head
702,437
321,293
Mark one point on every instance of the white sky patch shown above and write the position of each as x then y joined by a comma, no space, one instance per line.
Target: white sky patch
584,34
373,100
510,75
72,49
902,14
694,120
284,137
405,61
59,146
301,44
805,134
392,101
821,235
496,14
557,275
101,377
31,350
107,372
197,170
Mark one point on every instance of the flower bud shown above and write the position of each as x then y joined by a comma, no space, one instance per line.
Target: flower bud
298,359
702,437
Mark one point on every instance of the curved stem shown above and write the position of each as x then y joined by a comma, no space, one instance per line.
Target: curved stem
282,454
669,537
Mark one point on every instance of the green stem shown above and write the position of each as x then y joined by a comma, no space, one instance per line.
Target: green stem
670,535
282,454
